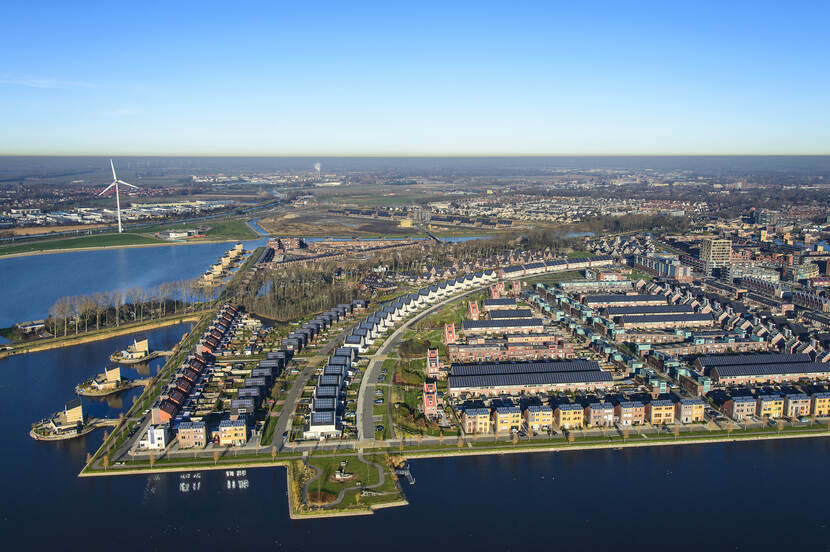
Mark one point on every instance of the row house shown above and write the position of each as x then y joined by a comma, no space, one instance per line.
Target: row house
599,415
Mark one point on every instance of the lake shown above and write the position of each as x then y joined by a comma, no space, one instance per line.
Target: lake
32,284
723,496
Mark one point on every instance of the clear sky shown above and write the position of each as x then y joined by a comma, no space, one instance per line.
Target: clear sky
414,78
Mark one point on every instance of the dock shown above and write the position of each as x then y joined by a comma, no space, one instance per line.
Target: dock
89,427
406,472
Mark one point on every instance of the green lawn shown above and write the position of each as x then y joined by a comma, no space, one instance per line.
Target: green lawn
99,240
235,229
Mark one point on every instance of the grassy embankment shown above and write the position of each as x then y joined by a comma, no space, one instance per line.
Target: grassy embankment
220,230
98,240
98,335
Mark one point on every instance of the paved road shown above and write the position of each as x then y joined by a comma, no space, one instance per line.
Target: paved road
290,405
366,397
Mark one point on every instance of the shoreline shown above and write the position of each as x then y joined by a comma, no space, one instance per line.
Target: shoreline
106,247
116,332
414,455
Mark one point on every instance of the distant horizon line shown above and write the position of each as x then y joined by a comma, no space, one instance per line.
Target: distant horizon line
409,155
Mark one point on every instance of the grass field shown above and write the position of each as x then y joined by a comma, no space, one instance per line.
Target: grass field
101,240
236,229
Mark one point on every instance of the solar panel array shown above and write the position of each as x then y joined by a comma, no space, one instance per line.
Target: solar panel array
524,368
624,298
499,302
649,309
547,378
326,403
511,313
773,369
322,417
763,358
513,322
652,318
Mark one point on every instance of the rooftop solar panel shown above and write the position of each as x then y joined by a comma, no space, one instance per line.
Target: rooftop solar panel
523,367
548,378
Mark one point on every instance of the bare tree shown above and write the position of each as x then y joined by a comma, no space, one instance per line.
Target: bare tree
101,306
273,454
215,457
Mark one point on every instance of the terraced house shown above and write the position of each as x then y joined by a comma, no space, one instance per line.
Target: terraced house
660,412
538,417
821,404
770,406
690,410
599,415
570,416
740,407
507,418
475,420
796,405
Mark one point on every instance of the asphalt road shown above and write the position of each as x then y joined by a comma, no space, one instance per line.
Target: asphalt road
366,396
290,405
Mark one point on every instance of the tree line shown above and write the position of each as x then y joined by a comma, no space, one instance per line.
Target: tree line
82,313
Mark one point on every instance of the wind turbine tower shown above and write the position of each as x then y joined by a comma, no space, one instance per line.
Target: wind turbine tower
116,182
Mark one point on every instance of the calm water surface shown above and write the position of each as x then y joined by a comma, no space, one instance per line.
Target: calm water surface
32,284
750,496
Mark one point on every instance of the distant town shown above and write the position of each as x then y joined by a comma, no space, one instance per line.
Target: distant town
430,319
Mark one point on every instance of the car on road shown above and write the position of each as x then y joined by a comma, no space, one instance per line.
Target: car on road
772,423
379,428
284,434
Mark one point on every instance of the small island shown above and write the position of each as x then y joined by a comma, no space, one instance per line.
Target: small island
107,383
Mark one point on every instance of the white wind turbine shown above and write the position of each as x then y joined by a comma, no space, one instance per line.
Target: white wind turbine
116,182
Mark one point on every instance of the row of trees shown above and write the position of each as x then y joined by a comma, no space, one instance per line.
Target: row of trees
82,313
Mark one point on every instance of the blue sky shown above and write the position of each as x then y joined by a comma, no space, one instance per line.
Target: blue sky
419,78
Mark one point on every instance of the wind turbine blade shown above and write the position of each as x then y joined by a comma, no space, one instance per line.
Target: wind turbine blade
114,178
127,184
106,189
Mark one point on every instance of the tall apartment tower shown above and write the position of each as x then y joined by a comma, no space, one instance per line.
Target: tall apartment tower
714,253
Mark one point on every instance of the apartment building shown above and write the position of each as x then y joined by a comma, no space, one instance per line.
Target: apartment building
430,400
538,417
507,418
233,432
599,415
475,420
771,406
660,412
192,435
796,405
569,416
690,411
741,407
820,404
630,413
